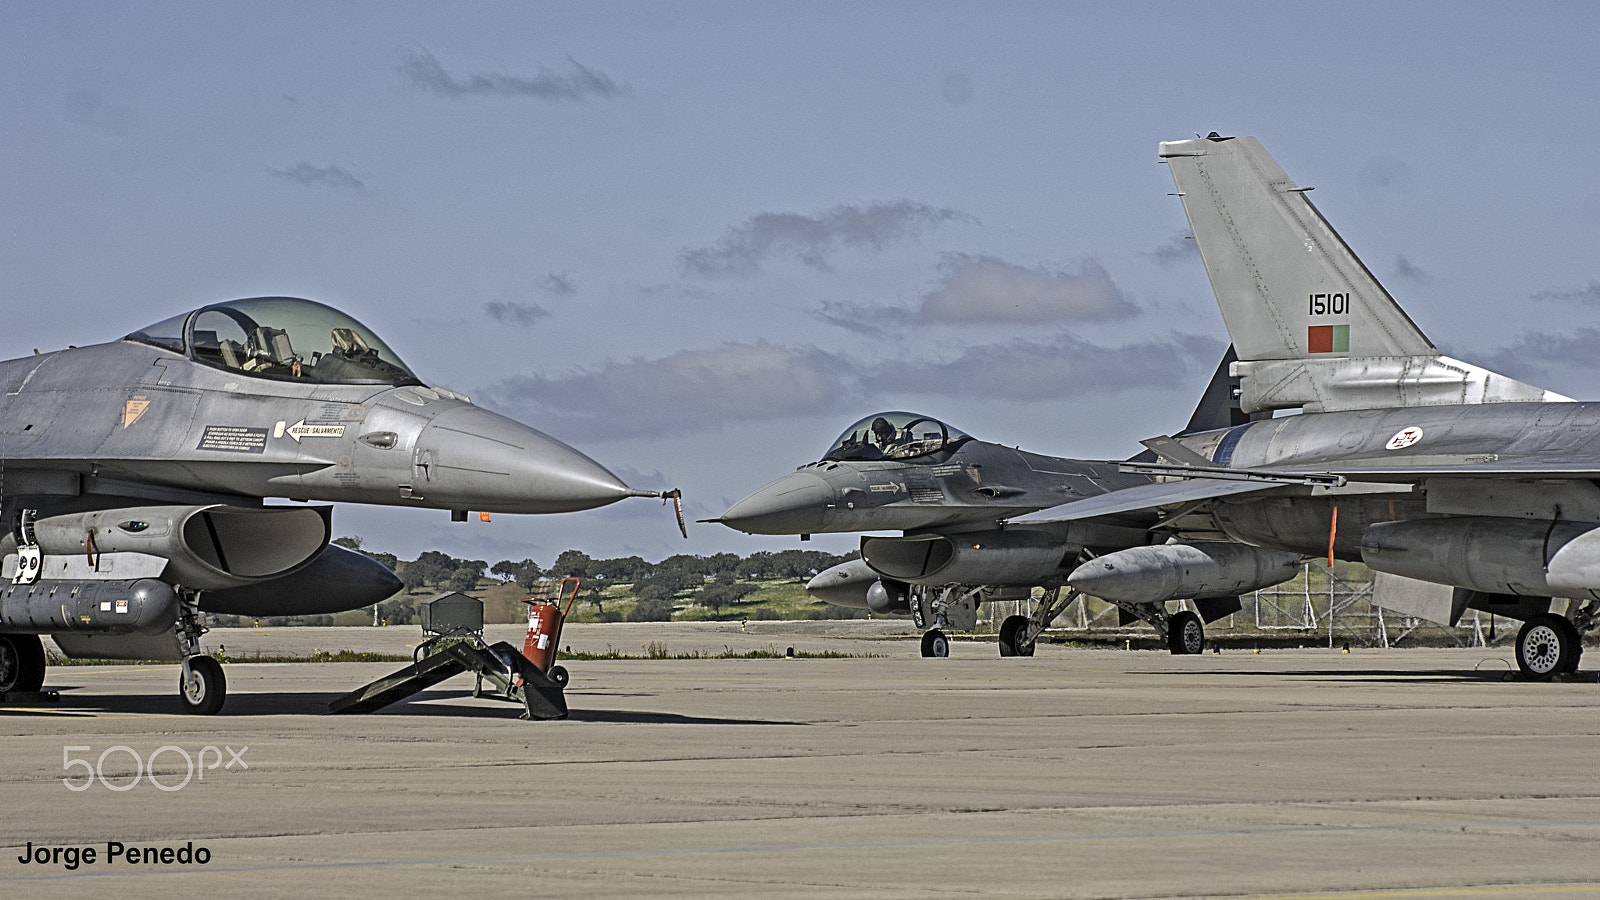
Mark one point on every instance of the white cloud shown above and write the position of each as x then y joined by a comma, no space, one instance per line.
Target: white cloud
1589,294
328,176
1027,370
1180,248
520,314
1404,268
424,72
559,284
812,239
691,390
986,289
982,289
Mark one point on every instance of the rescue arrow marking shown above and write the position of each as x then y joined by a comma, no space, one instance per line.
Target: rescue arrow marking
301,430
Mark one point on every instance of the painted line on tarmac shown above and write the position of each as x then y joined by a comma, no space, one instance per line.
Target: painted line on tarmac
1494,891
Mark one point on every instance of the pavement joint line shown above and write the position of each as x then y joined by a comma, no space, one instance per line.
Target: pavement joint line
1381,894
965,841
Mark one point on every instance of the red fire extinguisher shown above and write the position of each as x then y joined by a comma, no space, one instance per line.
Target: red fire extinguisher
544,630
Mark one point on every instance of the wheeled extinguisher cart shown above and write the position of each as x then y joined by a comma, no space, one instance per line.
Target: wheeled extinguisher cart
545,616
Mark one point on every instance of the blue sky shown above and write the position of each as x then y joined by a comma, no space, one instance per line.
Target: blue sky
697,240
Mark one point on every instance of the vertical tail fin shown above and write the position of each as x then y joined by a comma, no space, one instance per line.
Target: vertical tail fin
1313,328
1279,270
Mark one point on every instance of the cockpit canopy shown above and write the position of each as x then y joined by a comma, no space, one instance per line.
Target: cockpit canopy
280,337
893,435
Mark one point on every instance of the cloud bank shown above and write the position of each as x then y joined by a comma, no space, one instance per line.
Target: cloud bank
1532,357
1180,248
736,384
1404,268
422,71
812,239
1032,370
559,284
976,289
309,175
687,391
523,315
1588,295
986,289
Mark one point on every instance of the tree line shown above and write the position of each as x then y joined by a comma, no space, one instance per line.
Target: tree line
715,582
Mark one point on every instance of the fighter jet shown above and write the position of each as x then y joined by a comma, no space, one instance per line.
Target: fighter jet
1432,471
949,494
133,475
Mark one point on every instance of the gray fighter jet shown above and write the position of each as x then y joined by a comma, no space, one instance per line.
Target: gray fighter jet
132,475
949,494
1432,471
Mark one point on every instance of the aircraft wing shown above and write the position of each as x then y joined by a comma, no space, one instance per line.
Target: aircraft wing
1143,497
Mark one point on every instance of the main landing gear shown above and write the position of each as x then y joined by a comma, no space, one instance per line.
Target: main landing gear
1548,645
1186,634
21,663
1018,634
1183,631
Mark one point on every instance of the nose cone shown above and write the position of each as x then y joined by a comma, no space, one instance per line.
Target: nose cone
482,461
794,504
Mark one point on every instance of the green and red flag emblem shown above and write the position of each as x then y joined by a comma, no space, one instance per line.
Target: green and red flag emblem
1328,338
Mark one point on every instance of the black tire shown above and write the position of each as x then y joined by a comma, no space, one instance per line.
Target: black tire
1545,645
1569,665
21,662
1011,632
1186,634
559,675
202,686
934,644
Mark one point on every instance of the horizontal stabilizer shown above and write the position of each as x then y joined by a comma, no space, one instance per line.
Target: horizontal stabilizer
1141,498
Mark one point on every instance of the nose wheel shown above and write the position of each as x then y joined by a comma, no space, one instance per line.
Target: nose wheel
934,644
202,685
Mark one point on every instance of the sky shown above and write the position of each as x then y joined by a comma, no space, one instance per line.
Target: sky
698,240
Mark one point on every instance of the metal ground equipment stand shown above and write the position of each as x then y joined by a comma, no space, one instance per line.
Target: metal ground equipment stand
457,647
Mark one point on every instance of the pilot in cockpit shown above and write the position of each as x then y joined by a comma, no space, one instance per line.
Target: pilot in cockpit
884,432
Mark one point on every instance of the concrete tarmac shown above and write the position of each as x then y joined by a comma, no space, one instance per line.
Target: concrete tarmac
1077,773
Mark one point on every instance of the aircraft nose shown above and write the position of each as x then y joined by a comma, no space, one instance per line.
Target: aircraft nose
479,460
793,504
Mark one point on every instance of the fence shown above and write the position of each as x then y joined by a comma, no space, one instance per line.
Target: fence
1332,604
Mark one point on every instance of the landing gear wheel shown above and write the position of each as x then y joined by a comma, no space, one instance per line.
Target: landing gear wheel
1545,645
1011,632
1569,665
202,686
935,644
1186,634
559,676
21,662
